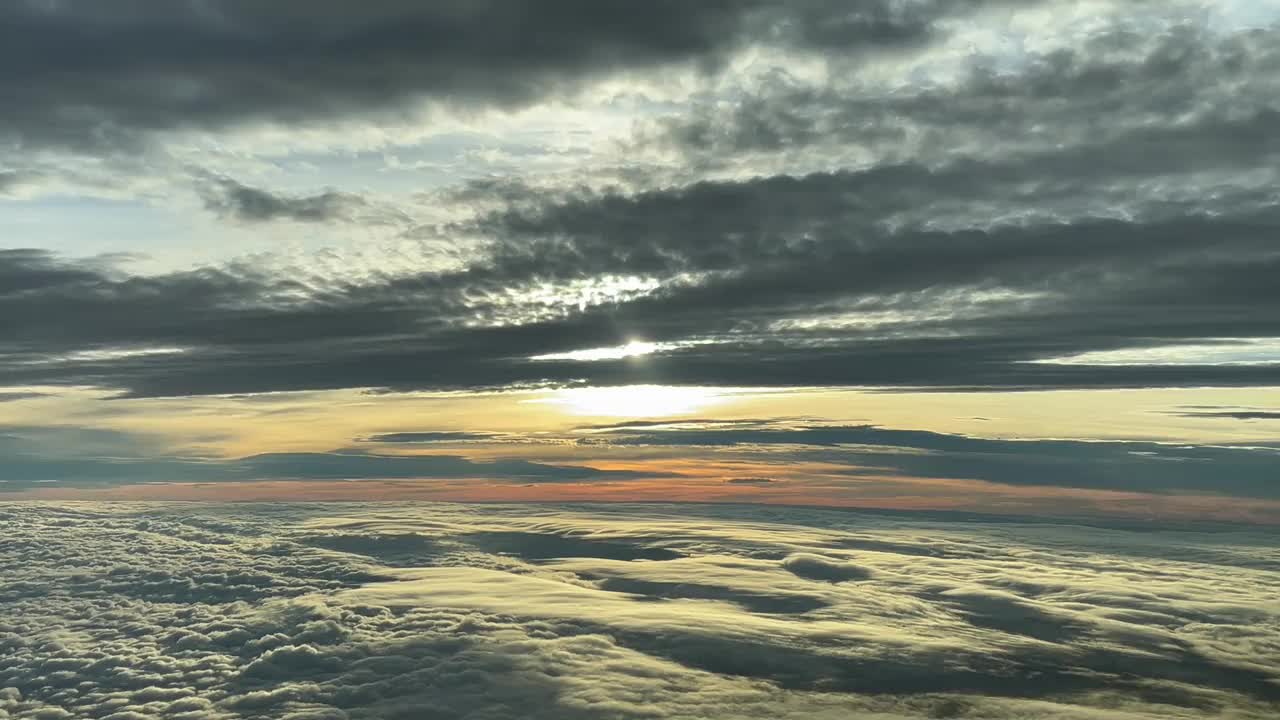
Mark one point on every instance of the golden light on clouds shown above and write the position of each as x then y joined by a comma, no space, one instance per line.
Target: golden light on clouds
637,401
809,489
634,348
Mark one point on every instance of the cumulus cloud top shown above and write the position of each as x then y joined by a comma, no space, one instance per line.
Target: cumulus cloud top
378,611
817,567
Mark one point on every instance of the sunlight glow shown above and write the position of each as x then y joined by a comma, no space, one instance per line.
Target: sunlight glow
634,348
634,400
113,354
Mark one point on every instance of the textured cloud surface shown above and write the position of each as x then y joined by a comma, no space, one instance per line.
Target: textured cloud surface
977,195
968,265
135,611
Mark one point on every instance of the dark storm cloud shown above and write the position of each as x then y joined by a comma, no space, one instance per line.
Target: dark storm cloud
1106,465
78,75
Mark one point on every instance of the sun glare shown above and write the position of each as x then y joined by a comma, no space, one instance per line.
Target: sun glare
634,400
634,348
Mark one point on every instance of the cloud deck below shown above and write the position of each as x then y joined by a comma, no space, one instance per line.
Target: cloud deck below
130,611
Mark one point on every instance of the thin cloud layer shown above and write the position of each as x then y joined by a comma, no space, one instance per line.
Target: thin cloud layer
243,203
1229,413
47,457
428,436
823,463
1109,465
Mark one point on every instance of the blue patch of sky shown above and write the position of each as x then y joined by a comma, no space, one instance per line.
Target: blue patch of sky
78,226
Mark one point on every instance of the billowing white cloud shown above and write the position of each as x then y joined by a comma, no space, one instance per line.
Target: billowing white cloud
134,611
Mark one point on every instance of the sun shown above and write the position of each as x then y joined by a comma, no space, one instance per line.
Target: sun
634,400
634,348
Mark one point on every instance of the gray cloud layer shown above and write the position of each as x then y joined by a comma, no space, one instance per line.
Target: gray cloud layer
1170,83
84,77
1114,191
1092,286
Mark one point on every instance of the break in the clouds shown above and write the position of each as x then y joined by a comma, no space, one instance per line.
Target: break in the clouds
649,611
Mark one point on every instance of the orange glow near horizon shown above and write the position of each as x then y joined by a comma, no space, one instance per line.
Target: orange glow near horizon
872,493
546,427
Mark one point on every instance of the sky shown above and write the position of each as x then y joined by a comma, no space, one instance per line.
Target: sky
1010,257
